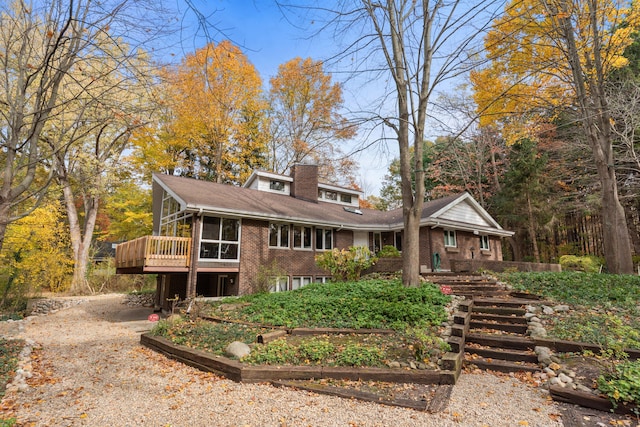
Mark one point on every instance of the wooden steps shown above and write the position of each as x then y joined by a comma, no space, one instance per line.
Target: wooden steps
468,285
497,338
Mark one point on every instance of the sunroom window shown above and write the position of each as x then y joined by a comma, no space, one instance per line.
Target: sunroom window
220,238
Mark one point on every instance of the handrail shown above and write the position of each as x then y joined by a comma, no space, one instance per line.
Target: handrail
154,251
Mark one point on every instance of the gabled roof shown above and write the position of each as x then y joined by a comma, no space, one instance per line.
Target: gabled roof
227,200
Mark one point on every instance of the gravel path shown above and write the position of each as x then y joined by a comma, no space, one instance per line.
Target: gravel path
89,370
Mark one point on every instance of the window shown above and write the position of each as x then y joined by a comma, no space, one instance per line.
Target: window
450,238
377,242
331,195
220,238
484,243
398,240
279,235
279,284
346,198
298,282
322,279
324,238
301,237
276,185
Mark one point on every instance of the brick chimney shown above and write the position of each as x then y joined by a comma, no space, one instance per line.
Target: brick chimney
305,182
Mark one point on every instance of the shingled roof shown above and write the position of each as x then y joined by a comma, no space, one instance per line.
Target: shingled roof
223,199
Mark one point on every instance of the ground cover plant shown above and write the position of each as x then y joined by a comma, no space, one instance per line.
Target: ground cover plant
375,303
605,310
9,351
414,313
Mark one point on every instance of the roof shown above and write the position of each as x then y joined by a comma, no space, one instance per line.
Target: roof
228,200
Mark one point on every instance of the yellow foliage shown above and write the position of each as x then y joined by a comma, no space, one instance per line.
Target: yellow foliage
529,73
36,250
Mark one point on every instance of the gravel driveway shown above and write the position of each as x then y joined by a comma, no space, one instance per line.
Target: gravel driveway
90,370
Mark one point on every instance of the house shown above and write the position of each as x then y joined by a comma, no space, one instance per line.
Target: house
214,239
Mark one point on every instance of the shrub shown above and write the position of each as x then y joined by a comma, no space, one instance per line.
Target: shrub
266,275
389,251
346,264
587,264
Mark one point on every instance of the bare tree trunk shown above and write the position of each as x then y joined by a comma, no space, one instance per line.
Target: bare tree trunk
532,229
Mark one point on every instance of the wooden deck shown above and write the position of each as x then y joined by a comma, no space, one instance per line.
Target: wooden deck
154,254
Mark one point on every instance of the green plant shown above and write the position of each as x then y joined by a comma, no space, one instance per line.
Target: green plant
425,344
266,275
362,304
588,264
389,251
9,351
622,384
360,355
315,350
346,264
9,422
278,352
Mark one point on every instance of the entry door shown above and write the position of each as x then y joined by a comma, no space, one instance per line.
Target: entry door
222,285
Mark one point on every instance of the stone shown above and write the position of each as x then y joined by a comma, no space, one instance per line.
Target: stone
565,378
547,310
394,365
556,381
584,388
532,309
544,355
238,349
529,315
561,308
556,359
555,366
535,319
534,325
413,365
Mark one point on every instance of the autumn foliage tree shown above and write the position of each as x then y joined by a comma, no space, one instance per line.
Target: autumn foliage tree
214,116
305,119
555,56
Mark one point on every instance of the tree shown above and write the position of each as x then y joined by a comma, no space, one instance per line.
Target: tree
556,55
36,253
416,47
216,117
305,121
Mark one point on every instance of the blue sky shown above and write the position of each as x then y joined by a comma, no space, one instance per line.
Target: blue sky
268,40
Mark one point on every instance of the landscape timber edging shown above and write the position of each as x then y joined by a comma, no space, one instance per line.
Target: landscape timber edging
564,346
239,372
588,400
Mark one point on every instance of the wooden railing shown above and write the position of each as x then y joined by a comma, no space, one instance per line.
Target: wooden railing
154,251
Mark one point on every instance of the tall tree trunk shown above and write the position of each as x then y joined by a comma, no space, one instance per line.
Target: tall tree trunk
596,122
81,236
532,229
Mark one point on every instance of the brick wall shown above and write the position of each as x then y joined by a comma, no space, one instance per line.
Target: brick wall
305,182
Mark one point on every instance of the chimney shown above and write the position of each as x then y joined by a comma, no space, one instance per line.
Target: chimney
305,182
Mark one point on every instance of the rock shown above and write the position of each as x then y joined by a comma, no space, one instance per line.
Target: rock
544,355
532,309
555,366
422,366
565,378
394,365
529,315
413,365
547,310
538,333
535,319
561,308
238,349
556,381
556,359
533,324
584,388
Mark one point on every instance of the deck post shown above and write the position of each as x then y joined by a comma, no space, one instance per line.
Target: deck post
192,278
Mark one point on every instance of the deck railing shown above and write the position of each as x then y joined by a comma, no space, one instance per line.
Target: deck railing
154,251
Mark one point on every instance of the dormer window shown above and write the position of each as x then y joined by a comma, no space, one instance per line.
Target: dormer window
345,198
331,195
276,185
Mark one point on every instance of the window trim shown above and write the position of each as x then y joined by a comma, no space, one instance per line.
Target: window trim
323,241
485,238
220,241
279,235
302,284
302,229
450,235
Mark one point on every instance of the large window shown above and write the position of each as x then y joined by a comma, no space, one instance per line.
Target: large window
279,235
450,238
301,237
220,238
298,282
324,239
484,243
173,221
279,284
